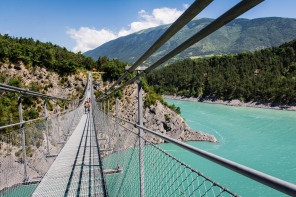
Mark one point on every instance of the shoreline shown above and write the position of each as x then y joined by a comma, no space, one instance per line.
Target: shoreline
234,102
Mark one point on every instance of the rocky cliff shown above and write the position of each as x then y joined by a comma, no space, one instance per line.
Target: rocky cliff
38,163
45,81
157,117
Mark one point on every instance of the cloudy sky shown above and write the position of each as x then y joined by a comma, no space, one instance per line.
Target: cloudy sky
82,25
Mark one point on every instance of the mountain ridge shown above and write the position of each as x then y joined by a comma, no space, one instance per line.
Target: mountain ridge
240,35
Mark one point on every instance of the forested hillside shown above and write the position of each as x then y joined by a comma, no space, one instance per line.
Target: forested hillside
47,55
55,58
240,35
44,68
267,75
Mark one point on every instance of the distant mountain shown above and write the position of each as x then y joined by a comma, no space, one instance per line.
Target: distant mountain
240,35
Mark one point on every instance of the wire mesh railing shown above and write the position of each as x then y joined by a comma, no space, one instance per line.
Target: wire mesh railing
14,180
133,165
27,153
164,175
231,14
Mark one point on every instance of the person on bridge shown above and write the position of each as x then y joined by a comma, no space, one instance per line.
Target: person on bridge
86,106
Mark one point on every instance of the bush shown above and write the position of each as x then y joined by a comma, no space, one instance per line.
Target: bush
34,86
18,153
167,117
77,78
119,94
175,109
63,81
31,114
98,93
15,82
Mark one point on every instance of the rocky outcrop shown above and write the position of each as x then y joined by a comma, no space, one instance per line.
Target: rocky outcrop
49,82
164,120
43,77
158,118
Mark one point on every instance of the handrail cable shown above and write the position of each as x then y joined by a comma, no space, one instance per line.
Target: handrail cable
187,16
228,16
29,92
276,183
200,174
9,88
28,121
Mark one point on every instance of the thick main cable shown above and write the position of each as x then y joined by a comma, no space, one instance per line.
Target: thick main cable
187,16
230,15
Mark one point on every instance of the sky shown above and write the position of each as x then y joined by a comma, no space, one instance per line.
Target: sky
82,25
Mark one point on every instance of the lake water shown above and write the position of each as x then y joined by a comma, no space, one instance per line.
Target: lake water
262,139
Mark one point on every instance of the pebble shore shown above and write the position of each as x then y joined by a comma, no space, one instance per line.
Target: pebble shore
234,102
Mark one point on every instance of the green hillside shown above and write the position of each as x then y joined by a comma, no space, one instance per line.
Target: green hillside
239,35
33,55
47,55
267,75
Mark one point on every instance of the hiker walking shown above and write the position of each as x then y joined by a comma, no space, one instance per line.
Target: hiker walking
85,106
88,106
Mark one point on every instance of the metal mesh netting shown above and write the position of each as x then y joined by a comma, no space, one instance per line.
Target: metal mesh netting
164,175
40,152
77,170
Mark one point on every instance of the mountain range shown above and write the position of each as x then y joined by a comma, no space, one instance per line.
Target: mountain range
240,35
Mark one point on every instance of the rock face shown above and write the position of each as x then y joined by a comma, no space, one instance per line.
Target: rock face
164,120
49,82
11,154
44,77
158,118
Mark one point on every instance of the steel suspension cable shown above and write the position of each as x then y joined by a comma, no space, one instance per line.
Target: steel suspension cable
28,92
273,182
228,16
187,16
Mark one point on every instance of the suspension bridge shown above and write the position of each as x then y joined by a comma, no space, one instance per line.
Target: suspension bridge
77,153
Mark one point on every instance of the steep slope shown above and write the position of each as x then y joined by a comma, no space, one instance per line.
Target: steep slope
157,117
39,80
267,75
238,36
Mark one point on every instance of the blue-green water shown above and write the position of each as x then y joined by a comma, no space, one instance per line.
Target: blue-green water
262,139
21,190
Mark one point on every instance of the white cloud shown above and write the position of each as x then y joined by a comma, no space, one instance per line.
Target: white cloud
89,38
186,6
166,15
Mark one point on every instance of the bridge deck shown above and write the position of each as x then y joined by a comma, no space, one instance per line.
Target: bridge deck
76,171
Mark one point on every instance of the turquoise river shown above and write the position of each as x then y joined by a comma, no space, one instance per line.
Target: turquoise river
262,139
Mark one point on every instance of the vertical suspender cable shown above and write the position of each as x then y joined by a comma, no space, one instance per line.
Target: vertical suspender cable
141,143
23,138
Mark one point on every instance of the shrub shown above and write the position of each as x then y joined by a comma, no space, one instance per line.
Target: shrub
77,78
34,86
18,153
167,117
31,114
15,82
